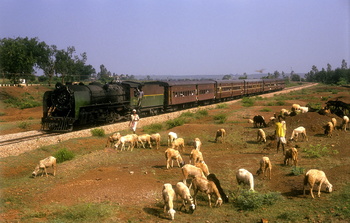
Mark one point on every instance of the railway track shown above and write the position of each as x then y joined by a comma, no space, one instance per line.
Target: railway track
22,137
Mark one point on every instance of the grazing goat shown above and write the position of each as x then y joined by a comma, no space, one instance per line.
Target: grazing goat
291,154
265,166
304,109
111,140
212,177
334,122
345,122
203,166
179,143
197,144
143,139
244,177
184,192
261,136
300,130
295,107
221,133
208,187
328,129
284,112
171,155
313,177
43,164
259,120
189,170
126,139
171,137
169,196
196,156
156,138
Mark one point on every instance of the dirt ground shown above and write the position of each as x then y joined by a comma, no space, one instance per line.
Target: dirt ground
120,181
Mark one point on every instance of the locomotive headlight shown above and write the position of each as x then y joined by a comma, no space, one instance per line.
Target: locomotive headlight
61,99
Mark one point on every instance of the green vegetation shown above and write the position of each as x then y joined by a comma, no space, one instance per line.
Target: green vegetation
25,101
266,110
251,200
153,128
220,118
64,155
175,122
318,150
248,101
221,106
23,125
98,132
296,171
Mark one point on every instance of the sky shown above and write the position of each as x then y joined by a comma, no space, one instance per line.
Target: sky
188,37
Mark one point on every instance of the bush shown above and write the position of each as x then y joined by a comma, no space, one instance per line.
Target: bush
296,171
153,128
222,105
247,102
64,155
250,200
23,125
220,118
317,151
201,113
98,132
175,122
266,110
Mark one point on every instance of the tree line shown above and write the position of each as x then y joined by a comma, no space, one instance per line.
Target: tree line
20,57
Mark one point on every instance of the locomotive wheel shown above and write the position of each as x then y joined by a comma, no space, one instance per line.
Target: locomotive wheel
112,117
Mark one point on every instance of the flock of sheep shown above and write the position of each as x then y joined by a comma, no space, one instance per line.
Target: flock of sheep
197,170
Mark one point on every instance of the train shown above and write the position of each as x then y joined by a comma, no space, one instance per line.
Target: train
76,104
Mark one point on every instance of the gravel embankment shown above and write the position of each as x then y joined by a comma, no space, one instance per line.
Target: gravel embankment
17,148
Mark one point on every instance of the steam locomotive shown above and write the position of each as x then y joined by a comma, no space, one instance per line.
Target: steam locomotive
73,105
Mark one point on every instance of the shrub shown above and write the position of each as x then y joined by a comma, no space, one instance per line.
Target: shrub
280,103
250,200
175,122
201,113
266,110
98,132
220,118
2,113
23,125
153,128
64,155
247,102
187,115
222,105
317,151
296,171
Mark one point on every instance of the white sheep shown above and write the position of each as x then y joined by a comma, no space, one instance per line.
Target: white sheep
300,130
334,122
244,177
295,107
179,143
113,139
261,136
291,154
171,137
189,170
130,138
156,138
184,192
169,197
143,139
204,167
197,143
304,109
196,156
251,121
171,155
221,133
265,166
313,177
208,187
345,122
43,164
284,112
